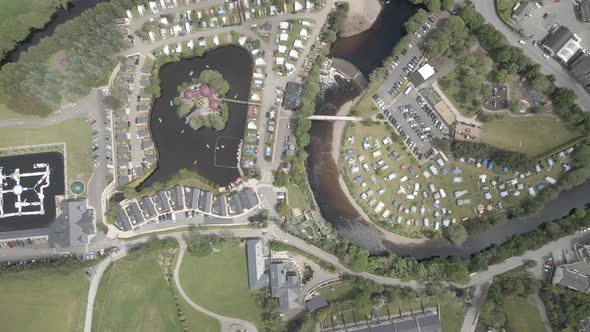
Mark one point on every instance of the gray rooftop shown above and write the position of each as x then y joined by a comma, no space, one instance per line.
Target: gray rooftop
248,198
147,145
162,202
257,277
192,198
558,38
284,285
148,208
423,322
316,303
575,276
143,133
205,201
73,226
150,159
134,213
176,197
122,221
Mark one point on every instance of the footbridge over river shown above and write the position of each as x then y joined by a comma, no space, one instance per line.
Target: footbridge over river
335,118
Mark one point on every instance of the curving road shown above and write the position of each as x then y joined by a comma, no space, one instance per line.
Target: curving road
228,324
94,282
562,77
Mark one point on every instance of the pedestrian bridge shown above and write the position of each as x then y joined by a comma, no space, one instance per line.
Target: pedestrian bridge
335,118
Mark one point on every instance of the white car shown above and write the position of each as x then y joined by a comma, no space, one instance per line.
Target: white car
546,56
521,41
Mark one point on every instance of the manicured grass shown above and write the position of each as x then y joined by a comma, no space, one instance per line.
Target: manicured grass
532,135
77,135
48,299
8,114
219,282
296,197
9,8
134,295
522,316
337,292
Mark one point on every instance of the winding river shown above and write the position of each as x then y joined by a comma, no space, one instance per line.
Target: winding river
367,51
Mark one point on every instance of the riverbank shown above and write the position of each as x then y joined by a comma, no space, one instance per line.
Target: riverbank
361,16
337,137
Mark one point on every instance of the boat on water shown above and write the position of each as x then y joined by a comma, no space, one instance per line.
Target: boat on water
207,146
182,132
195,162
207,66
191,73
160,119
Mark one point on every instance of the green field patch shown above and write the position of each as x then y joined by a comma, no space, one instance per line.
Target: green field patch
219,282
76,133
532,135
134,295
522,316
51,299
296,197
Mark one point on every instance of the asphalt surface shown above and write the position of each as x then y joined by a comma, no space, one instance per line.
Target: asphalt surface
562,77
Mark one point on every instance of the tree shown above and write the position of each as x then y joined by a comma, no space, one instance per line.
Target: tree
500,76
456,233
281,178
284,210
542,84
433,6
448,4
112,102
359,258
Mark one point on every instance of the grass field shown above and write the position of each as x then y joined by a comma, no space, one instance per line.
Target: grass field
133,295
9,8
296,197
219,282
337,292
52,300
532,135
77,135
522,316
8,114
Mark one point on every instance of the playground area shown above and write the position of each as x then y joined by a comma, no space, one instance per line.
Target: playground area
495,97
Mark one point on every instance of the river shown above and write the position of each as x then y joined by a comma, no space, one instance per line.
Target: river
211,153
75,8
367,52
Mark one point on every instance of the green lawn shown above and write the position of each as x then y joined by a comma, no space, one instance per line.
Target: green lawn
77,135
219,282
522,316
43,300
296,197
134,295
532,135
504,9
8,114
337,292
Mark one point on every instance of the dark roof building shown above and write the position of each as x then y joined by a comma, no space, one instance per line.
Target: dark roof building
562,43
150,159
292,98
122,221
316,303
205,201
177,197
220,206
147,145
257,276
191,198
143,133
235,204
134,213
139,172
73,226
123,179
162,202
141,120
148,208
580,68
284,285
248,198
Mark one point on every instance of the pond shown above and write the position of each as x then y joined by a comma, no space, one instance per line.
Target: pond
213,154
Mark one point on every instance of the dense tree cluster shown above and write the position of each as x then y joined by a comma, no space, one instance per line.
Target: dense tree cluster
565,308
451,39
215,81
514,160
85,48
17,27
467,80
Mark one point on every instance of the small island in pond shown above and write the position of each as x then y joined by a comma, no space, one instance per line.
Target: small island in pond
201,101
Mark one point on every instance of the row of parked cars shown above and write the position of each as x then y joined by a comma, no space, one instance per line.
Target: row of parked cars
15,243
432,114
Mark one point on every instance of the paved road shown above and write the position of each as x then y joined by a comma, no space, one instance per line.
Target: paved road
227,323
562,77
94,282
472,315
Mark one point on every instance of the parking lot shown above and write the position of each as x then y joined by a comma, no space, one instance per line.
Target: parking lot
404,107
542,16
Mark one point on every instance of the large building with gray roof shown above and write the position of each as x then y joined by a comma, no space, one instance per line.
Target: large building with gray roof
73,226
257,275
134,213
122,221
148,208
575,276
191,198
284,286
205,201
162,202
